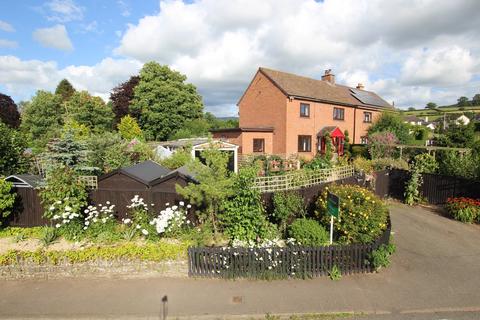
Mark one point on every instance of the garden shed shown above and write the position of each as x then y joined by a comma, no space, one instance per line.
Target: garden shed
28,208
149,180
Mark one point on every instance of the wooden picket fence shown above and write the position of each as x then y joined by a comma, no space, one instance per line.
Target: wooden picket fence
282,262
302,179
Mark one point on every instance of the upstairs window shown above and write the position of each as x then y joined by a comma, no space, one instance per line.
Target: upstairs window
367,117
258,145
304,143
338,114
304,110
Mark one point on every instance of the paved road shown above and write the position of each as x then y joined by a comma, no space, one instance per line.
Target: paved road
436,269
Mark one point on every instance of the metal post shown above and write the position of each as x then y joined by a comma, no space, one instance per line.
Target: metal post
331,229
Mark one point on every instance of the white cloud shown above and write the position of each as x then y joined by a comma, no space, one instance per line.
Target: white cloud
409,52
4,43
54,37
444,66
4,26
63,11
23,77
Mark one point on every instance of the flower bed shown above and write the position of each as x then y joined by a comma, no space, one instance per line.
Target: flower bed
464,209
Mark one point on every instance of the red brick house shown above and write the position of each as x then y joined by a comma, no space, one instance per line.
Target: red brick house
286,114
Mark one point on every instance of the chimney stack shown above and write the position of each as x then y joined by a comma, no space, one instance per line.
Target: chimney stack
329,76
360,86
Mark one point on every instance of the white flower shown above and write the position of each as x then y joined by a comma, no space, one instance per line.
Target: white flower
181,203
68,208
87,223
58,202
108,202
189,206
145,232
56,217
52,208
138,226
127,221
174,207
58,225
86,211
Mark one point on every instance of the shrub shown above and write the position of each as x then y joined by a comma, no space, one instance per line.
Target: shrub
382,144
426,163
363,216
100,224
380,258
463,209
63,195
359,150
308,232
451,163
178,159
386,163
172,221
287,205
140,220
243,217
335,274
318,162
362,164
7,199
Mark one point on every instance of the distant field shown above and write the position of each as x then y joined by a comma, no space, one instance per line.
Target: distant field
433,115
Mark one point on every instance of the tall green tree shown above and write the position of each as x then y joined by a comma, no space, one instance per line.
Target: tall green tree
164,101
9,111
90,111
463,102
431,105
42,117
392,122
65,90
476,100
12,147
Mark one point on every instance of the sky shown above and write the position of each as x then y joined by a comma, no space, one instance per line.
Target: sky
411,52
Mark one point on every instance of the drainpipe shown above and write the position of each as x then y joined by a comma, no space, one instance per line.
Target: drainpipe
354,123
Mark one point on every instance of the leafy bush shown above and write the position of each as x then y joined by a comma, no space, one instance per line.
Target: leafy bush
382,144
172,221
412,187
380,258
129,128
100,224
318,162
386,163
451,163
426,163
178,159
464,209
63,195
363,216
392,122
359,150
243,217
308,232
362,164
32,232
7,199
287,205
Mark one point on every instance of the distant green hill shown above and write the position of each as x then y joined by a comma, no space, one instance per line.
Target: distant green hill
433,115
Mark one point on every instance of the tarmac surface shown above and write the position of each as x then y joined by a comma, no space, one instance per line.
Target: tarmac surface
435,274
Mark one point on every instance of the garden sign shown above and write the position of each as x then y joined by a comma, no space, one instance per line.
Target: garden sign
333,209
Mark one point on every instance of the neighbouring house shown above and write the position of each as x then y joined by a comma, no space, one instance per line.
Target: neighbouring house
284,114
149,180
197,145
414,120
463,119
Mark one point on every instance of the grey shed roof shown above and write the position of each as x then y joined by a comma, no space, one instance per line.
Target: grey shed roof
25,180
146,171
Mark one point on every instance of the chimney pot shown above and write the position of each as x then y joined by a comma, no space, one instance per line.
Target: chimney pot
360,86
329,76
